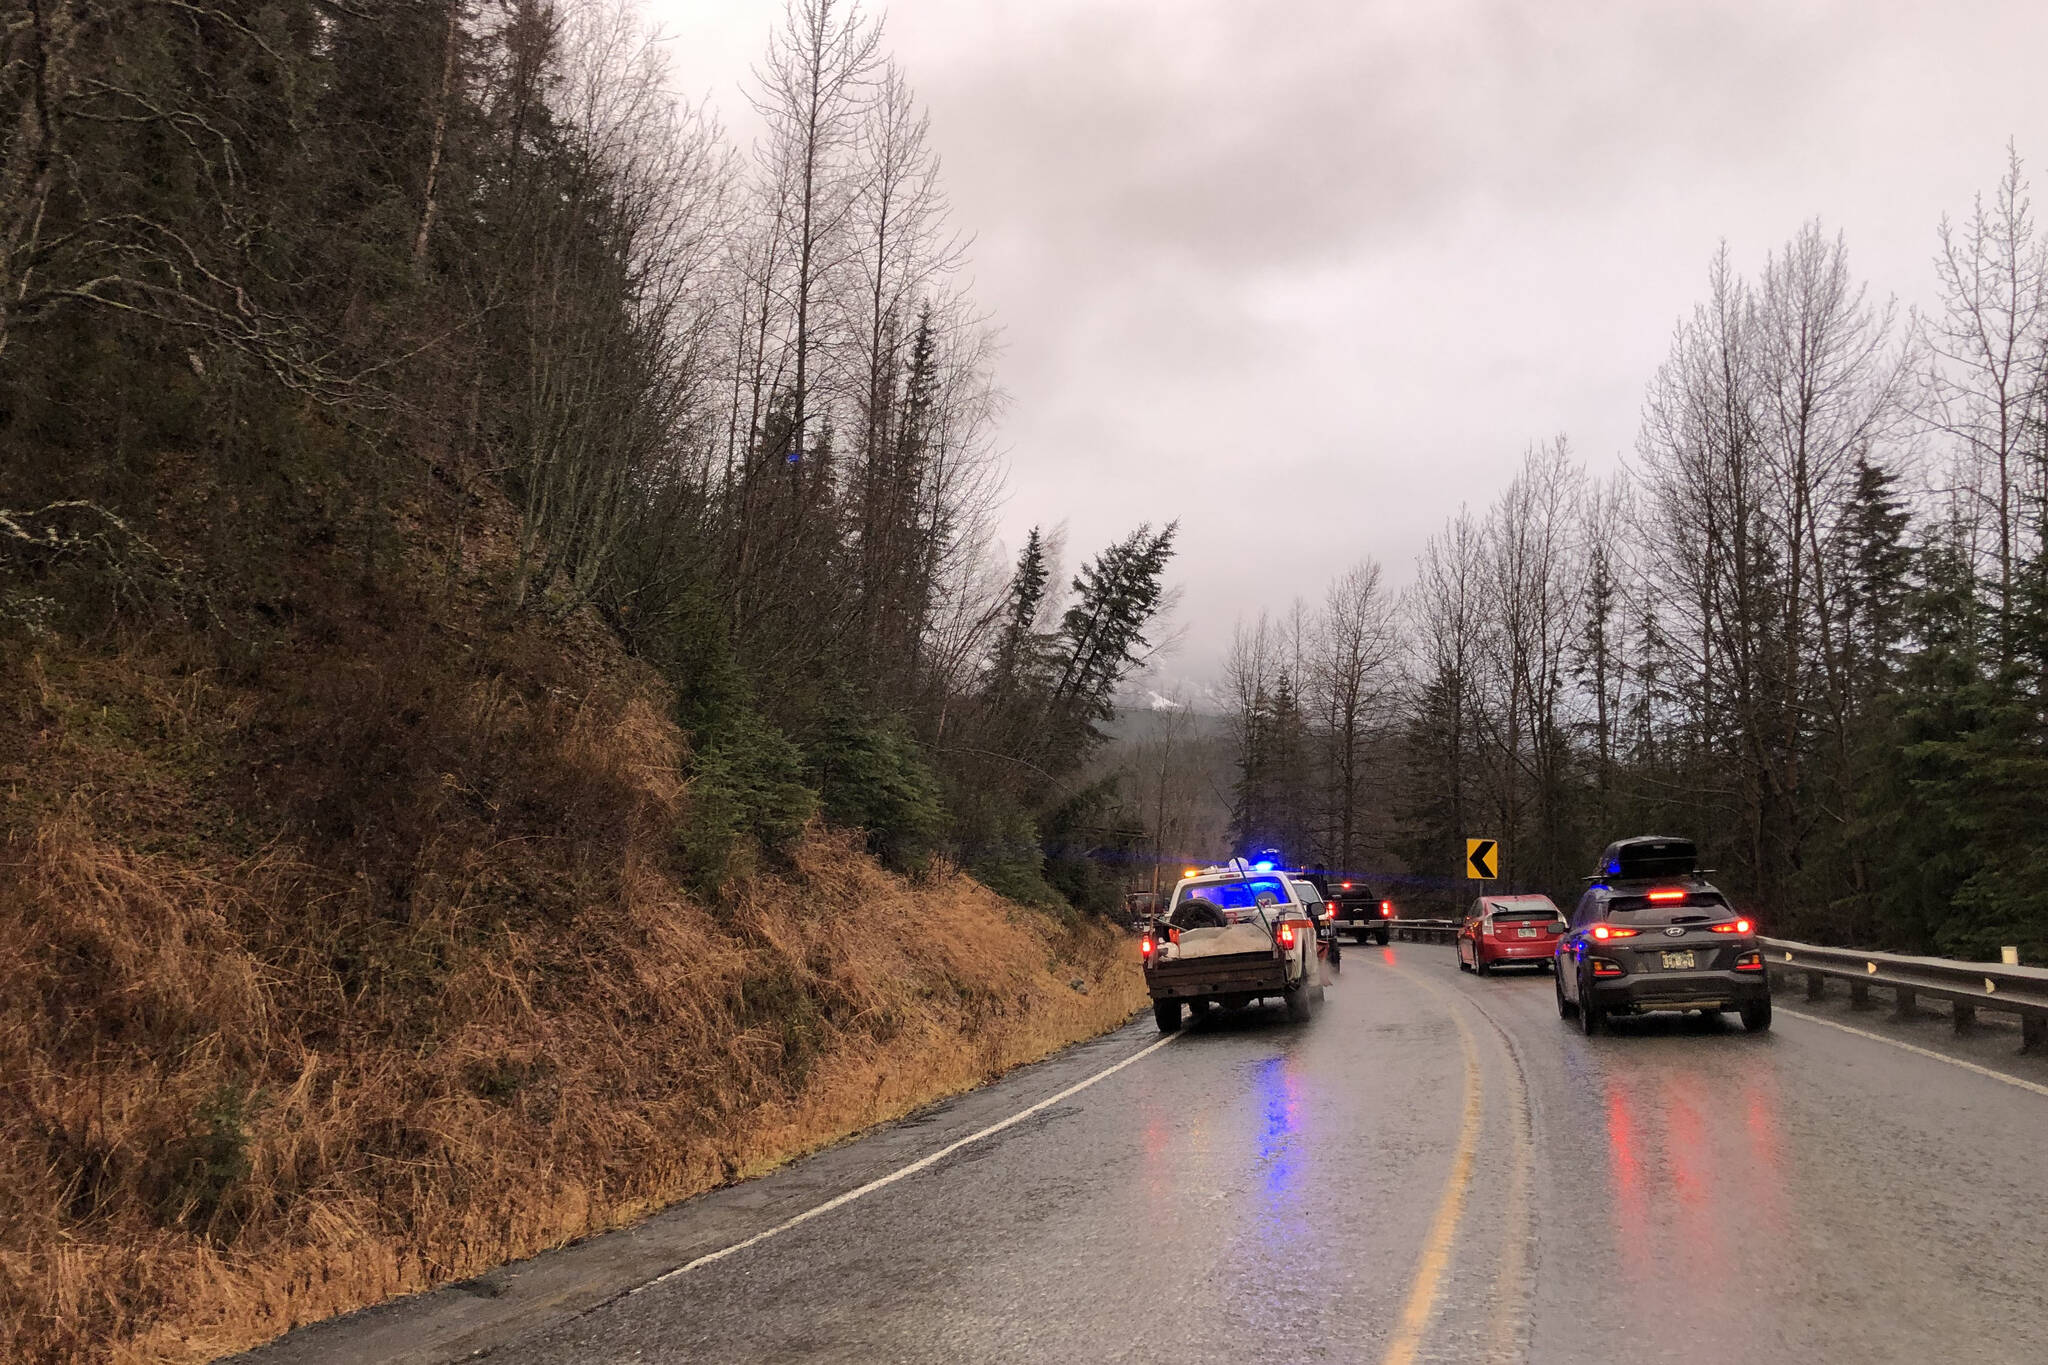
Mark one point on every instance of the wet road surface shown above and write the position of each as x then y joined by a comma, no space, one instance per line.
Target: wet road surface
1436,1168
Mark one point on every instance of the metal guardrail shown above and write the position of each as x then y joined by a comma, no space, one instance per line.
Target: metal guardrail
1425,930
1967,986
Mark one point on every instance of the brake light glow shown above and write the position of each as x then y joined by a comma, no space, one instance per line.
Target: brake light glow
1386,909
1145,948
1347,886
1607,931
1675,894
1740,926
1286,936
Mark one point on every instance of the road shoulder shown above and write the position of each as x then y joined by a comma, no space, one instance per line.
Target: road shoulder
515,1301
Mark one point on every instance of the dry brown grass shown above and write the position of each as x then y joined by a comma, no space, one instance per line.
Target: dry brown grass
374,974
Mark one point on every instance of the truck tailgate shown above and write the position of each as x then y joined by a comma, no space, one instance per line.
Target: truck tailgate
1216,974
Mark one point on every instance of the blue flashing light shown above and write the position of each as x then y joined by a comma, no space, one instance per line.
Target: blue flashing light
1262,867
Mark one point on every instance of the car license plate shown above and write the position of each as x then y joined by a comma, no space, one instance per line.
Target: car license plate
1526,933
1679,961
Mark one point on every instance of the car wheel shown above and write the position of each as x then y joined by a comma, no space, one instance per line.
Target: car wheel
1336,953
1757,1018
1591,1016
1384,936
1300,1004
1565,1008
1166,1013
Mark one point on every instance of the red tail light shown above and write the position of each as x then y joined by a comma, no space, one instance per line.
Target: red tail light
1602,967
1750,962
1740,926
1145,948
1347,886
1607,931
1286,936
1386,909
1673,894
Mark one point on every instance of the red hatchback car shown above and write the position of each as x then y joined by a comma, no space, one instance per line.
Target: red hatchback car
1502,929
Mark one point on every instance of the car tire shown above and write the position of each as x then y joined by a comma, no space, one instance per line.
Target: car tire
1166,1014
1591,1017
1757,1018
1565,1008
1384,936
1301,1006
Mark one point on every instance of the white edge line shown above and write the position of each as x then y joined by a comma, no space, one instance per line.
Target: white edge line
1993,1073
912,1169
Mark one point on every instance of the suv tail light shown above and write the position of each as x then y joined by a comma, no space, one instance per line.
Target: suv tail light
1751,961
1738,926
1602,967
1607,931
1667,895
1286,936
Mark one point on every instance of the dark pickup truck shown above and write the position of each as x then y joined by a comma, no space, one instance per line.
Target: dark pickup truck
1360,913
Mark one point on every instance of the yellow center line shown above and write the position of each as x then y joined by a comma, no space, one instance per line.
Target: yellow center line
1420,1307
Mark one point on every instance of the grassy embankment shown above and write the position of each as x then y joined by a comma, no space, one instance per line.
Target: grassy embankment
364,965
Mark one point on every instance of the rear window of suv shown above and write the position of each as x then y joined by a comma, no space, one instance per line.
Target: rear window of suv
1695,899
1242,895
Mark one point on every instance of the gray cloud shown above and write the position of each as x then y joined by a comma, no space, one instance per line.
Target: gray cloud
1309,275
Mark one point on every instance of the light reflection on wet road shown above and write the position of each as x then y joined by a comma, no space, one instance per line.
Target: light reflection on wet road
1262,1192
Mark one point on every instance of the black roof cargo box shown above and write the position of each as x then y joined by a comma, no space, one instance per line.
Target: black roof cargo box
1647,855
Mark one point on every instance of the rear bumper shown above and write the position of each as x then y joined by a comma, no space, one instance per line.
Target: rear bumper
1190,978
1646,991
1527,950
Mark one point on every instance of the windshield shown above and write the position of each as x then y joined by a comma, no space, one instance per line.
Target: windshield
1234,895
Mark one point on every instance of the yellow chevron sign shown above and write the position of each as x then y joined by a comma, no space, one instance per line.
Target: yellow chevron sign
1482,859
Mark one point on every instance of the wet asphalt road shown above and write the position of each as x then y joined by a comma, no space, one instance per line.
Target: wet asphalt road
1436,1168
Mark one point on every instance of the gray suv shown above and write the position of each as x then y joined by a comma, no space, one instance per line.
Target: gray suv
1650,933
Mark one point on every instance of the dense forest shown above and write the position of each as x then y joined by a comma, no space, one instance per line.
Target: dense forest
298,277
1807,624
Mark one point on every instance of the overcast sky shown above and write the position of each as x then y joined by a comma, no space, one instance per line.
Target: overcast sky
1308,275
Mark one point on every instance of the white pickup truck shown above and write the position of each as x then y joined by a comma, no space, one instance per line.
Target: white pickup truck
1232,935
